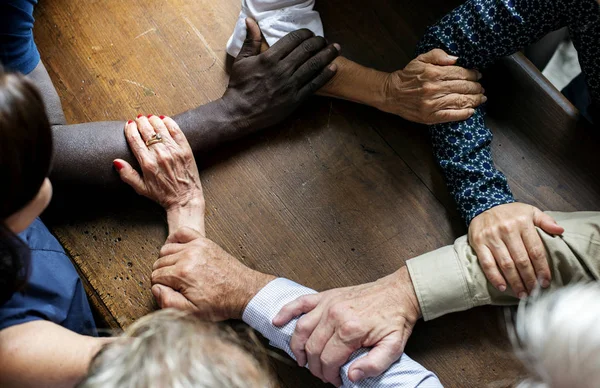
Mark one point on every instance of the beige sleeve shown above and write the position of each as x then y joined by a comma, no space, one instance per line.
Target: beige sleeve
450,278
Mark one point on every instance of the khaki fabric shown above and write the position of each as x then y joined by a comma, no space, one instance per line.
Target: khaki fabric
450,278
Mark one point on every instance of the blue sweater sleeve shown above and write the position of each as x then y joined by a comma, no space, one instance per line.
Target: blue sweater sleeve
18,51
479,32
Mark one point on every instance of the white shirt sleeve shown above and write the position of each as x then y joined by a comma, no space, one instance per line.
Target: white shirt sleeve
276,18
261,310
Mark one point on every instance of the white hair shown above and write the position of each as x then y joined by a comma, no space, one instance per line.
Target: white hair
557,336
172,349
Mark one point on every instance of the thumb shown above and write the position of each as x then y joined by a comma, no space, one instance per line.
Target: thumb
546,223
130,176
378,360
253,40
183,236
166,297
438,57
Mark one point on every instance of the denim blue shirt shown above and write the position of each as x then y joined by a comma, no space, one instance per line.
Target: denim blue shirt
18,51
54,291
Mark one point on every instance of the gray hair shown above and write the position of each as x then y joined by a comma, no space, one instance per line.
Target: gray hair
557,336
173,349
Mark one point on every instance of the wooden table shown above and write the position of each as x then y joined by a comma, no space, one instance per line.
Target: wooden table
337,195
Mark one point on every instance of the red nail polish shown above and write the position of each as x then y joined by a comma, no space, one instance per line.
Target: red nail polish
138,116
129,122
162,117
150,116
118,165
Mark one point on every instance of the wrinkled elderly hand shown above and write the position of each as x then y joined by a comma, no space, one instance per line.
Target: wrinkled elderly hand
265,88
195,274
430,90
169,173
338,322
505,240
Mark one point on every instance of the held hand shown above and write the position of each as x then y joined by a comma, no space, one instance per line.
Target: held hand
505,240
338,322
430,90
265,88
169,173
196,274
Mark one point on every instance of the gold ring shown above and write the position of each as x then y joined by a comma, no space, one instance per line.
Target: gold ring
154,140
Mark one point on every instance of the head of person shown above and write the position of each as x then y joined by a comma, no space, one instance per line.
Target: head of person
25,191
557,337
174,349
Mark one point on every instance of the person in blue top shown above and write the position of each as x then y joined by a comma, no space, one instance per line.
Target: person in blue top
47,332
502,231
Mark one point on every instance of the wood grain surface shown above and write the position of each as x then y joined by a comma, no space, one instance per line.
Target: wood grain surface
337,195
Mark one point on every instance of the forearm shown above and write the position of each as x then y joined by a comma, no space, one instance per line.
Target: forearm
41,352
268,302
354,82
451,279
84,152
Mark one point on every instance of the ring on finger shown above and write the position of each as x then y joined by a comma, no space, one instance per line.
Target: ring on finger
157,138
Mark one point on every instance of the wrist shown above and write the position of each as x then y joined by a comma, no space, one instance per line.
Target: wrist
250,286
405,291
357,83
189,214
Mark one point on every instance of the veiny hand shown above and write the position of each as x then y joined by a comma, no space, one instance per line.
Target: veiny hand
430,90
265,88
505,240
338,322
196,274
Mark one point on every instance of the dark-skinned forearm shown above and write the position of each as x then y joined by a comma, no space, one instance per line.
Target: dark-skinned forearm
84,152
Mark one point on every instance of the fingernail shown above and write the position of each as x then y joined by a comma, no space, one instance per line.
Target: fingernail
479,76
162,117
138,116
484,99
452,58
337,47
483,90
333,67
522,295
118,165
357,375
150,116
545,283
502,288
129,122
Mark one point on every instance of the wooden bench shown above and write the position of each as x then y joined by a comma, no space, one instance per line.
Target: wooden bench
339,194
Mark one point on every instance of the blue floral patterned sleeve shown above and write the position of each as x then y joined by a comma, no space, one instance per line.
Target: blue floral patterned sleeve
479,32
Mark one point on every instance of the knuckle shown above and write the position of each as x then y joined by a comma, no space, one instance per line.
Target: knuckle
302,327
428,87
349,330
506,264
522,261
336,313
488,265
314,64
536,253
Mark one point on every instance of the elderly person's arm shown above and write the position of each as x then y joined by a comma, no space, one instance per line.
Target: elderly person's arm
479,32
195,274
447,280
430,89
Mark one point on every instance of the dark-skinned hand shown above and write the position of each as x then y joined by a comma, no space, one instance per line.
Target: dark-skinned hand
264,88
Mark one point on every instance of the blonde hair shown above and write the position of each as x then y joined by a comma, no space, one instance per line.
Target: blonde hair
557,336
173,349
